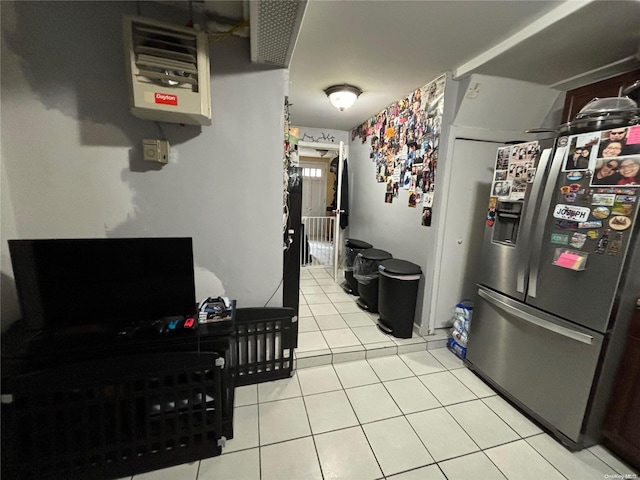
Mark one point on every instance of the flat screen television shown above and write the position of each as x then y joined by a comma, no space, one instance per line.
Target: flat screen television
68,284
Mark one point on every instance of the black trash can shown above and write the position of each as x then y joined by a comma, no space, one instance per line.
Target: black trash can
398,292
365,271
351,248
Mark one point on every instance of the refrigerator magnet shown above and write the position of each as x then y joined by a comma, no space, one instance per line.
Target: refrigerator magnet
606,199
620,222
571,212
574,175
560,239
601,212
565,189
570,197
593,234
591,224
578,239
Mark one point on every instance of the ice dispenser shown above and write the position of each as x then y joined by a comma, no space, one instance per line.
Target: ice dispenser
507,222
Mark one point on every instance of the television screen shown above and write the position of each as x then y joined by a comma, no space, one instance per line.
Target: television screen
65,283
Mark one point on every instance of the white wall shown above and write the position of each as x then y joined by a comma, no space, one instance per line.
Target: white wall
396,227
71,155
500,112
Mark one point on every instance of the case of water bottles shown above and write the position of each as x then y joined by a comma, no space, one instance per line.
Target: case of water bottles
459,333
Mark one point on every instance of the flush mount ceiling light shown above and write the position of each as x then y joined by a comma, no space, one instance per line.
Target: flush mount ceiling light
342,96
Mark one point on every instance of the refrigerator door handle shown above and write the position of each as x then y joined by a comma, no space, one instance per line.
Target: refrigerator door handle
547,196
527,317
523,256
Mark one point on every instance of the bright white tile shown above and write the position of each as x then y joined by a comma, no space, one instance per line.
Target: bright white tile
279,389
339,297
308,361
332,288
307,324
318,380
440,433
344,355
376,350
316,299
447,388
305,274
346,454
358,319
476,465
308,282
315,289
283,420
446,357
185,471
355,374
244,465
415,338
370,334
390,368
331,322
304,311
473,383
310,341
518,460
347,307
301,299
411,395
323,309
422,363
245,429
246,395
516,420
320,274
396,445
432,472
290,460
482,424
325,281
343,337
372,402
329,411
412,347
573,465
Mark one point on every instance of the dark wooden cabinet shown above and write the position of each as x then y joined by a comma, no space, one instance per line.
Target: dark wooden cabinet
611,87
621,427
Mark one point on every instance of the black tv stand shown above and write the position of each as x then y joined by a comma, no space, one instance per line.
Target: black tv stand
95,406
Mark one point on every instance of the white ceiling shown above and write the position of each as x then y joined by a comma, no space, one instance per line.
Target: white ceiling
389,48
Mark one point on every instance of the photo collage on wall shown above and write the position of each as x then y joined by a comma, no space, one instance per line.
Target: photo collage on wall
613,156
515,169
404,145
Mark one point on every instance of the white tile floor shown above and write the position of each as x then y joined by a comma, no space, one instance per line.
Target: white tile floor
332,328
414,415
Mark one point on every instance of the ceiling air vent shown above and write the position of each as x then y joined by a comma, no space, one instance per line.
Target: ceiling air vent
168,67
275,25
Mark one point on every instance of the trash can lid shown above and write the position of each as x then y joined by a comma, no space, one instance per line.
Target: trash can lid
355,243
375,254
395,266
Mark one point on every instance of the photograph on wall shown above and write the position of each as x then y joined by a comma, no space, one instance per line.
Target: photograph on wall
406,135
412,199
388,197
426,217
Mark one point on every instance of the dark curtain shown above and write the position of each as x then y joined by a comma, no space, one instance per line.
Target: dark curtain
344,218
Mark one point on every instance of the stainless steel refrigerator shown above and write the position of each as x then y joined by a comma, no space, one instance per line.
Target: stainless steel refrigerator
560,273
